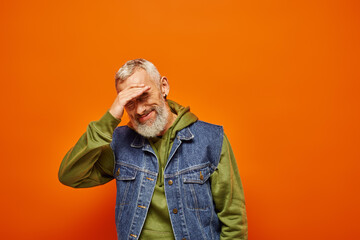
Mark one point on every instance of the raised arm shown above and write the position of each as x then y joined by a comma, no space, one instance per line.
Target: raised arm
91,161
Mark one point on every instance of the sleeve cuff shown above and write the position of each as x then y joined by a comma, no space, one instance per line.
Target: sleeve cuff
107,123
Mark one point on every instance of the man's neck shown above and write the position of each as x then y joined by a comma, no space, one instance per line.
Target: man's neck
171,118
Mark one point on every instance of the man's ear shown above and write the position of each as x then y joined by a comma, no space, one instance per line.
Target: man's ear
164,86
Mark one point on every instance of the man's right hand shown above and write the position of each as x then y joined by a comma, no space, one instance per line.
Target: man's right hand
125,96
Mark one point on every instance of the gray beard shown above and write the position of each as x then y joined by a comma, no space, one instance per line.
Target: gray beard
157,126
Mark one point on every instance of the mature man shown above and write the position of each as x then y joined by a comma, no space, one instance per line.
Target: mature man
176,176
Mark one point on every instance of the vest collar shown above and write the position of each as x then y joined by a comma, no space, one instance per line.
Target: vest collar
183,134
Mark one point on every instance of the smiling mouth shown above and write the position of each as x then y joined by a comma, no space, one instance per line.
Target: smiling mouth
144,117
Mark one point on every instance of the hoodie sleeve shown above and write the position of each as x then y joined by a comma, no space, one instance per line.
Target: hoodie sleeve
228,196
91,161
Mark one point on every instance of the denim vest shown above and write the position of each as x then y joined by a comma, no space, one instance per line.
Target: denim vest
194,156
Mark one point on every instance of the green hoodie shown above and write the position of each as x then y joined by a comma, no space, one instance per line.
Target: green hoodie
157,224
91,162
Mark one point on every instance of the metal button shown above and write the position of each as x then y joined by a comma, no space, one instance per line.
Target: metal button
118,172
184,239
201,176
175,211
170,182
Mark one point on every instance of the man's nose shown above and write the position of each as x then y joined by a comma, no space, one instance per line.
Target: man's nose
140,108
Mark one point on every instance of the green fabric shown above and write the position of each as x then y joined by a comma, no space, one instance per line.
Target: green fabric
228,195
91,162
157,222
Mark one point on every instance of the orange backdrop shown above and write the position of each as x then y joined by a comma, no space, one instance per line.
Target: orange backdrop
282,77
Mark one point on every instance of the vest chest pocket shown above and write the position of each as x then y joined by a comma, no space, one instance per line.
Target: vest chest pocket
125,181
124,172
197,189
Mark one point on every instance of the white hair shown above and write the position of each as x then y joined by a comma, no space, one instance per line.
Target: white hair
130,66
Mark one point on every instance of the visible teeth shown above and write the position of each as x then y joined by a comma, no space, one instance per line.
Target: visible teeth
144,115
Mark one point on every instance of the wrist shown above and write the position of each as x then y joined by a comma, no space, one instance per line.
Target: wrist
116,113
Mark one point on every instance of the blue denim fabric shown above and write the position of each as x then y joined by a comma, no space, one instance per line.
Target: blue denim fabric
194,156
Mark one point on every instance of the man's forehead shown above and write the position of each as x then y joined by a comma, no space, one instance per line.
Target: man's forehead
140,76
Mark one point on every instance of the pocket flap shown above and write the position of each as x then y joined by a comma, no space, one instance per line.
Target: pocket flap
198,176
124,172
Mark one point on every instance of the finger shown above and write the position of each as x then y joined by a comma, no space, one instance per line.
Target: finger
135,90
132,93
140,85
